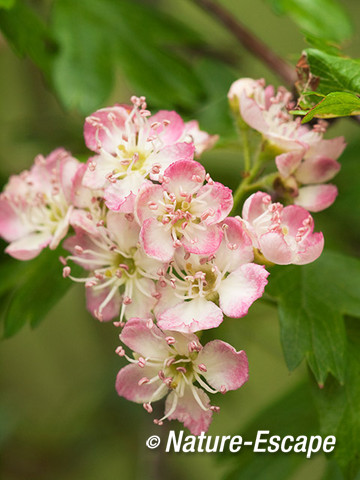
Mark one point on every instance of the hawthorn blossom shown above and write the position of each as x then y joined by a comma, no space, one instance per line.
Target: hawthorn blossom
266,111
35,207
182,211
131,146
304,174
283,235
305,160
169,363
198,290
121,280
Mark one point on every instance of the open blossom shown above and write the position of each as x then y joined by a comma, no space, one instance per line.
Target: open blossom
303,173
199,290
132,145
304,159
265,111
36,205
283,235
169,363
182,211
121,280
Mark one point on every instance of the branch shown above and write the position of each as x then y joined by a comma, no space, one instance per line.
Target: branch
249,41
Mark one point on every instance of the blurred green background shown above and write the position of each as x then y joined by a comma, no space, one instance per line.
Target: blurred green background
60,416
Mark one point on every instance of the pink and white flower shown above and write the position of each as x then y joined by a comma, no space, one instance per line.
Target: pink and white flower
306,172
121,280
304,159
131,146
182,211
265,111
169,363
36,205
283,235
199,290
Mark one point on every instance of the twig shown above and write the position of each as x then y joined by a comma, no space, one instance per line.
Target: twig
249,41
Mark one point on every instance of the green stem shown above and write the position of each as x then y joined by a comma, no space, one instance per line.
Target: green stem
246,185
246,147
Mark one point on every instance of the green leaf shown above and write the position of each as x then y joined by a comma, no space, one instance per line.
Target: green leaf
28,35
339,408
312,302
335,104
336,74
293,414
37,290
108,33
7,4
326,19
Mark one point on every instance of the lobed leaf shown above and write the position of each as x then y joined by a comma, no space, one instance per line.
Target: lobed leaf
336,74
339,408
292,414
312,302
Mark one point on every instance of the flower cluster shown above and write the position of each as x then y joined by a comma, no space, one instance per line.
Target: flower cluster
161,256
304,159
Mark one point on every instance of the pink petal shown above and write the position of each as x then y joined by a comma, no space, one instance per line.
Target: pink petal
184,176
30,246
124,231
96,178
11,225
242,85
317,170
295,217
219,202
141,304
288,162
332,148
189,412
149,194
224,365
316,197
127,385
80,196
123,192
202,140
68,170
84,240
310,249
172,132
94,300
275,249
255,206
203,242
61,230
192,316
252,114
156,241
236,247
79,220
170,154
241,288
148,342
103,128
182,341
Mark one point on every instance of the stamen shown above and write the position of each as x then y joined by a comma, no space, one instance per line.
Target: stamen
148,407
